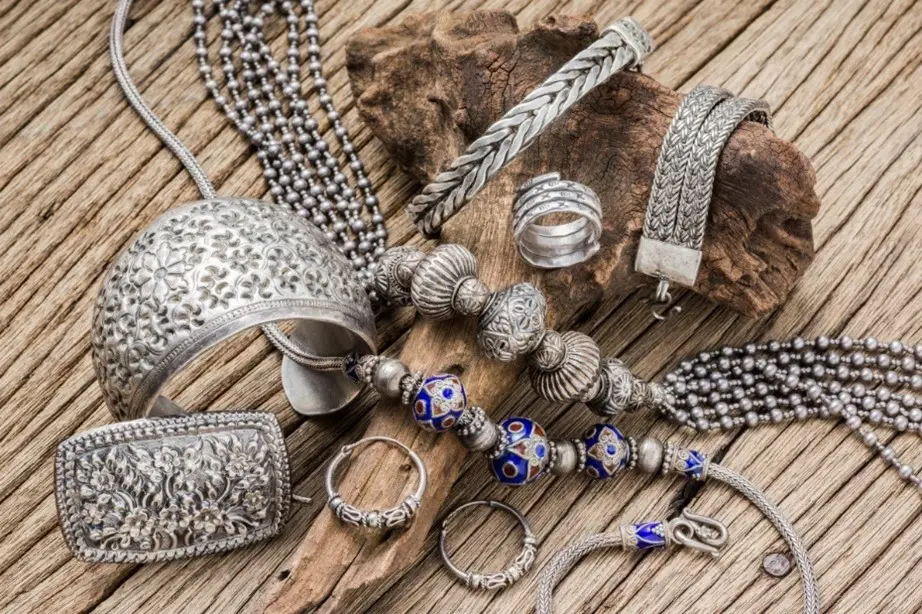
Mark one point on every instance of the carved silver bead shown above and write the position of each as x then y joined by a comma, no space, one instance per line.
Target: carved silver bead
387,377
394,274
616,390
471,297
649,454
512,323
437,278
550,352
576,376
566,457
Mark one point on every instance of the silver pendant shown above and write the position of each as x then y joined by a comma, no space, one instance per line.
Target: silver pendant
160,489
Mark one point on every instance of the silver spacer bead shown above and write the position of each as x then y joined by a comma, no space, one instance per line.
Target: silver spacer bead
649,452
394,273
576,377
512,324
471,297
615,391
388,376
550,353
437,278
565,457
476,431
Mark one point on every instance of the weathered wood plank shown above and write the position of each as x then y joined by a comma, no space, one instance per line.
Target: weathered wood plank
79,177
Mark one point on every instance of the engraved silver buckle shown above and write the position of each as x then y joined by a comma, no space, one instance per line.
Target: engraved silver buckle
159,489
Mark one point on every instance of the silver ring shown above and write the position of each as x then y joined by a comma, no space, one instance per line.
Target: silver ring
400,515
500,579
561,245
205,271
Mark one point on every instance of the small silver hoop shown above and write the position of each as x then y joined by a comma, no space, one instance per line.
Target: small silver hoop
398,516
561,245
499,579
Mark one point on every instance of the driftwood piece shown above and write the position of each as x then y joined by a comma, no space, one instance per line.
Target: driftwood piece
430,85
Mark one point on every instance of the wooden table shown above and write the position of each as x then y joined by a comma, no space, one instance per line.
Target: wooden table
80,176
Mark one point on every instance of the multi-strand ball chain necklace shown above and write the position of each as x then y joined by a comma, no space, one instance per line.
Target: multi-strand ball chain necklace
263,100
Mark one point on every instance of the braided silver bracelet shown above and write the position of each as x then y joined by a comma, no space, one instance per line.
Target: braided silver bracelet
621,46
680,197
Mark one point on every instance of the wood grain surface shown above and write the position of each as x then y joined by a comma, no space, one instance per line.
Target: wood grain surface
80,176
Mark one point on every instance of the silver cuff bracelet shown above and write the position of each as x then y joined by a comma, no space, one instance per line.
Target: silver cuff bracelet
680,197
205,271
621,46
561,245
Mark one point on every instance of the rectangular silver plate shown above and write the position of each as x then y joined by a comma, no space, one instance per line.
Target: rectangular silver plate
160,489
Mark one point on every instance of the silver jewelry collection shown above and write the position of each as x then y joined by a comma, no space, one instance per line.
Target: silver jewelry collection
399,516
680,197
621,46
498,580
164,485
561,245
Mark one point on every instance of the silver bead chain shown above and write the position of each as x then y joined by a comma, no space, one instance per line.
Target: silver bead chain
262,97
865,382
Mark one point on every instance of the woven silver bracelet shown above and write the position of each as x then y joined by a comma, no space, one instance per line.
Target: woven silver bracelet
621,46
676,216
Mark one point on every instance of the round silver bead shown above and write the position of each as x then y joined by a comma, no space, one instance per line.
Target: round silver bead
476,431
566,457
437,277
617,388
394,273
387,377
577,376
649,454
512,323
471,297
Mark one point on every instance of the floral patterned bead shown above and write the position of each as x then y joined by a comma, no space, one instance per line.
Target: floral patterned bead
524,454
607,451
439,402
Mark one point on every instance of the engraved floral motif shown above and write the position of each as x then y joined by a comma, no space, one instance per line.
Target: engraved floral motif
195,264
158,497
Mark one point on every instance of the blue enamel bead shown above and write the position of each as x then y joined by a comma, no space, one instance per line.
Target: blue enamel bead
440,402
693,463
525,454
647,535
607,451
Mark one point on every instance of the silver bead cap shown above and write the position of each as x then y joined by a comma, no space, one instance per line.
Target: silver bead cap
205,271
159,489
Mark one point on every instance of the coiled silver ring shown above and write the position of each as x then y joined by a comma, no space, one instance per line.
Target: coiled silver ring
555,246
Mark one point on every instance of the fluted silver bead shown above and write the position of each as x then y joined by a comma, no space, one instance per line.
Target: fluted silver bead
566,457
437,278
394,274
649,454
512,323
576,377
387,377
616,390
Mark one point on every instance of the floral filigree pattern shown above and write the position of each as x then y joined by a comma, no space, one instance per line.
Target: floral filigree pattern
164,488
196,264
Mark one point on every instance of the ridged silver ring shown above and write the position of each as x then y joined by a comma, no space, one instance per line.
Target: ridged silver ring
559,245
205,271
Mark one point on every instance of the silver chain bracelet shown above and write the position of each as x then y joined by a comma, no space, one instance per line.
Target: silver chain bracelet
680,197
623,45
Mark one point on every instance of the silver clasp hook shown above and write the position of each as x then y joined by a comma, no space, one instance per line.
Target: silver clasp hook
661,301
702,533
